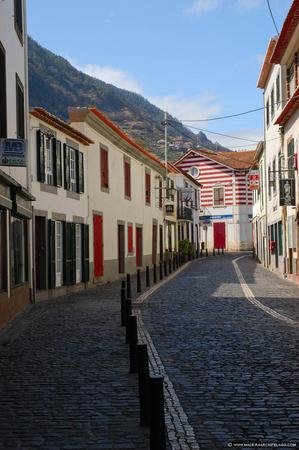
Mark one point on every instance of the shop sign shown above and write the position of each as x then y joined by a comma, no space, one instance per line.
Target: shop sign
287,192
12,152
254,180
169,209
188,195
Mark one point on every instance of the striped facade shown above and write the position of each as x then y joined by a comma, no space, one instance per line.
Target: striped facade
227,172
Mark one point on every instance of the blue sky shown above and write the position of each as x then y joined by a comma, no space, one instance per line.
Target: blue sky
194,58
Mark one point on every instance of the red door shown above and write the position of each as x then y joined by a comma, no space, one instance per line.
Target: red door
219,235
138,247
98,245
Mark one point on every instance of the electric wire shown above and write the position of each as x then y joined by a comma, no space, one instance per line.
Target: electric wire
271,13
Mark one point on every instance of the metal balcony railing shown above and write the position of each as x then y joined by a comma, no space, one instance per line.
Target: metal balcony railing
185,213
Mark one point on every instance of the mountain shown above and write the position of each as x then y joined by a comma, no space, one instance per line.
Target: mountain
55,84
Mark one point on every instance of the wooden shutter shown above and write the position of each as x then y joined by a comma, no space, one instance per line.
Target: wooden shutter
51,254
57,163
67,175
154,243
40,157
104,168
85,252
160,193
130,238
73,252
147,188
80,172
67,253
127,179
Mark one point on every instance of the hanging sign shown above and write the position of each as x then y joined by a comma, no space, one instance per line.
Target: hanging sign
254,180
188,195
169,209
287,192
12,152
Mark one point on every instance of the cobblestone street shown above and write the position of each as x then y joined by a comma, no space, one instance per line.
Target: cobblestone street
231,367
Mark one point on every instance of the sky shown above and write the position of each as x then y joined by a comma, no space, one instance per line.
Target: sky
196,59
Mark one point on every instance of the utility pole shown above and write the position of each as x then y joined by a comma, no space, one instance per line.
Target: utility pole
165,123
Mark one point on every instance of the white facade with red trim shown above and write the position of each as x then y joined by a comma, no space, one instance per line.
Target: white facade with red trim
225,200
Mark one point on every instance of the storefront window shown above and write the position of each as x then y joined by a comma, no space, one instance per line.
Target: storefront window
19,251
2,250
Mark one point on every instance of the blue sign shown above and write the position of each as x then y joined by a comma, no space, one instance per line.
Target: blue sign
12,152
223,216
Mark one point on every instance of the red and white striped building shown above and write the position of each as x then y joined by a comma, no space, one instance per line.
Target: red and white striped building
226,200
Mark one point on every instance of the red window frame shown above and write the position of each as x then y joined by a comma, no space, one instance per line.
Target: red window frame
104,168
147,188
127,172
130,239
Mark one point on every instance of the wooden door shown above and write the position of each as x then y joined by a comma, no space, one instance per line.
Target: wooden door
161,242
154,243
121,248
98,245
40,253
219,235
138,247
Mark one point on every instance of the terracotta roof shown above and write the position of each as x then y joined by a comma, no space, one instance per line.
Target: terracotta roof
55,122
241,160
266,67
290,24
95,111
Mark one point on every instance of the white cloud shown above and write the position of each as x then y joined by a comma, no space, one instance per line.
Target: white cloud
236,144
201,6
200,106
247,5
112,75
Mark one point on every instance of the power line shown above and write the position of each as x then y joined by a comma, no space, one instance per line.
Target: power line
224,117
273,20
225,135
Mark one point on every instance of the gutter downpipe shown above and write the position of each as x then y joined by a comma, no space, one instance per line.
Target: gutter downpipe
266,189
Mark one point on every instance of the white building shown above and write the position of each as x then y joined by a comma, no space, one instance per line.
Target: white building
125,187
279,80
225,199
15,199
59,183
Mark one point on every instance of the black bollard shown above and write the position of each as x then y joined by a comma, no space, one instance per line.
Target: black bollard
165,269
213,252
222,251
161,270
201,252
197,253
218,251
129,292
138,281
169,266
133,339
143,382
207,254
157,418
128,309
123,304
147,274
155,273
173,263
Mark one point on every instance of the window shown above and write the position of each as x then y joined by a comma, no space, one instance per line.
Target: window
20,109
130,239
127,174
194,171
278,90
19,251
160,193
280,244
272,103
147,188
104,169
73,177
269,182
292,78
274,176
267,113
218,196
78,254
2,250
59,254
49,160
18,13
291,162
3,112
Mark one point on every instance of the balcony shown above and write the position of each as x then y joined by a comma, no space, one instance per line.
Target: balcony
185,213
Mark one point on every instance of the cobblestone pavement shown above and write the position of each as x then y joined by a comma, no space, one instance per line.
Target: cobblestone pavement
64,381
234,368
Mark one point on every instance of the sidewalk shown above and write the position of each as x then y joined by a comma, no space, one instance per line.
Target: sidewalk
64,376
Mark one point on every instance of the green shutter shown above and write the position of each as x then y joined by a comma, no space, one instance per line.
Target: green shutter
80,172
67,175
67,259
51,254
73,252
57,163
40,157
85,252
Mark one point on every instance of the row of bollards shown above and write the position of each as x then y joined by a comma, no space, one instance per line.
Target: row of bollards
151,395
